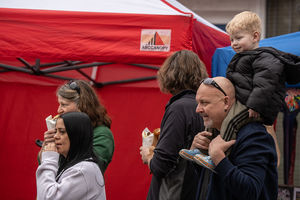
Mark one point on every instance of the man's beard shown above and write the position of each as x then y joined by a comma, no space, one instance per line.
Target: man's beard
208,123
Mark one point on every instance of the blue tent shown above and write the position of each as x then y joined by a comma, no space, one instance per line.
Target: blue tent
288,43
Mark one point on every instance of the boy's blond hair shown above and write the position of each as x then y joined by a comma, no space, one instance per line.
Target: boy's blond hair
244,21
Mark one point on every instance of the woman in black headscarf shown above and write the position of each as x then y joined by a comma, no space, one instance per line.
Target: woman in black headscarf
69,168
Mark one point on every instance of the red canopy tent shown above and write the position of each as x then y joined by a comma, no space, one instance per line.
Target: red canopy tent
118,46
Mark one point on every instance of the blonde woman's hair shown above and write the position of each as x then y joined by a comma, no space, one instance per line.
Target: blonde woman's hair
87,102
181,71
244,21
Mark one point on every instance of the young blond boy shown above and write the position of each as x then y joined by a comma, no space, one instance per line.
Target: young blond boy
259,75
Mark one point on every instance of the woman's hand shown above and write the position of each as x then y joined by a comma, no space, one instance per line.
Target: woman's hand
50,147
146,153
49,136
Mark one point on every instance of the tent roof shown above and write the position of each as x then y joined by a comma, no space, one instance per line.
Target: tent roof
132,6
164,7
134,32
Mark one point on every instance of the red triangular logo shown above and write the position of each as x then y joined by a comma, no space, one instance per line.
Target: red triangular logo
158,40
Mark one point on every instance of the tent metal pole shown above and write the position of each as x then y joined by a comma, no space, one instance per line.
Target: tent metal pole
72,65
85,75
146,66
20,69
59,69
63,63
101,84
25,63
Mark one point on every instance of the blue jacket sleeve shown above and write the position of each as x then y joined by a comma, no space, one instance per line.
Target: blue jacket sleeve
250,166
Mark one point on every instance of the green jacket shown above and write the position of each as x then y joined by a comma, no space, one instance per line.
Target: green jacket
103,144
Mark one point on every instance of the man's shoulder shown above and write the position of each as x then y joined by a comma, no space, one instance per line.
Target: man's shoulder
255,134
183,100
254,126
251,128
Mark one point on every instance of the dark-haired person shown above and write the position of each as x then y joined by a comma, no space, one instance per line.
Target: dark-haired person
69,168
174,178
78,95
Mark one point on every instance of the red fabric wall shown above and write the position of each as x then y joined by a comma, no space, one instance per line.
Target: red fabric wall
24,108
205,42
86,36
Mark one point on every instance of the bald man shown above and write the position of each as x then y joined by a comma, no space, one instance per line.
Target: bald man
249,171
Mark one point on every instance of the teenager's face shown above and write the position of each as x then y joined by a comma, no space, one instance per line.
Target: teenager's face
66,105
62,141
244,41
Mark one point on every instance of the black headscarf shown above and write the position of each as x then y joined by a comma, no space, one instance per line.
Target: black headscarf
80,132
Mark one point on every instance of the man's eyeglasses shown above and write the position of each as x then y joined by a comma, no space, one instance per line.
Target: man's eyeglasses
210,81
73,85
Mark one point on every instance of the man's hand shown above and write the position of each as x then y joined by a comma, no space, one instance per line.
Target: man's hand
201,140
217,149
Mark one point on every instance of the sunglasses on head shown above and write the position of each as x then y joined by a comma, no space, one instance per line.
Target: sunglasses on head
73,85
210,81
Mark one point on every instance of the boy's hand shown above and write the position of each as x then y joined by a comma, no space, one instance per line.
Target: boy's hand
253,114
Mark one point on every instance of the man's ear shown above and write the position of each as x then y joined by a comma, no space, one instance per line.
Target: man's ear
226,102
